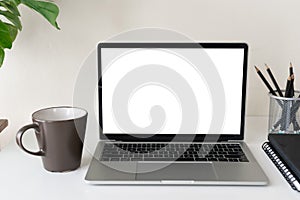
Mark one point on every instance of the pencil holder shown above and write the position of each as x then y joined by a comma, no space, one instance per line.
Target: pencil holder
284,114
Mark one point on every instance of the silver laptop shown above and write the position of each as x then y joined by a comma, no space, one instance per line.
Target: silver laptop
173,113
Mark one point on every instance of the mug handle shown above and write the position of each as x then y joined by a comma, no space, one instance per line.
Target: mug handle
19,137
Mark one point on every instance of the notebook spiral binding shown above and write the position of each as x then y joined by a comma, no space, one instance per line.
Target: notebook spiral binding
281,166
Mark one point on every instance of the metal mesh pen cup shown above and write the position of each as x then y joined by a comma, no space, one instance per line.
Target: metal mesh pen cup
284,114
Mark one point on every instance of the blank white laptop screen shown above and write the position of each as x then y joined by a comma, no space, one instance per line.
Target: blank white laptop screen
175,65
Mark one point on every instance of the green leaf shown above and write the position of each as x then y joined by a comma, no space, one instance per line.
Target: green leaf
13,31
16,2
5,37
2,54
13,18
47,9
10,6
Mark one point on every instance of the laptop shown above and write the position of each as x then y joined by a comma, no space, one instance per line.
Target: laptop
173,114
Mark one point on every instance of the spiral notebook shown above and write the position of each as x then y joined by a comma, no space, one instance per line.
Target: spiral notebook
283,150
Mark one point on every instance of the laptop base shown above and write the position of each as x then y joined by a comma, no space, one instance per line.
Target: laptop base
175,173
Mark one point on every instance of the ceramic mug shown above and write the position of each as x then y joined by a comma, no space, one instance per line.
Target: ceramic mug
60,134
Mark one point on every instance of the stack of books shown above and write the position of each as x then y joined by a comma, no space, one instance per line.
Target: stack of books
283,150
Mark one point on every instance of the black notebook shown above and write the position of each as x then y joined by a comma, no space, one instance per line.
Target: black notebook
284,151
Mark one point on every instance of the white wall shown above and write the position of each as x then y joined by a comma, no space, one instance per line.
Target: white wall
41,68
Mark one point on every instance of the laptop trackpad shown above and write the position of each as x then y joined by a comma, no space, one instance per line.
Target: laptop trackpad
176,171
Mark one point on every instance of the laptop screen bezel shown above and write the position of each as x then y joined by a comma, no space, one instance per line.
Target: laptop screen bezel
169,137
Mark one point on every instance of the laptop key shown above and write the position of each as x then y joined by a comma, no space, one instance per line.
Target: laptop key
232,156
185,159
222,159
235,153
243,159
219,156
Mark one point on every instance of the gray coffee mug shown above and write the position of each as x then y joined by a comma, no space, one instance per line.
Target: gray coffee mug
60,133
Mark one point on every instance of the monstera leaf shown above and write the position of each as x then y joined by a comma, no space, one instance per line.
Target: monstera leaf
10,23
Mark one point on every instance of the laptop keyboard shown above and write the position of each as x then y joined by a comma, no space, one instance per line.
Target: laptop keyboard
173,152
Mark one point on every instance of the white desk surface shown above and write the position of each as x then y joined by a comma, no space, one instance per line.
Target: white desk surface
23,177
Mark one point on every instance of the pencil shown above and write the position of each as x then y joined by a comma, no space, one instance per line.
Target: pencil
274,80
292,81
293,114
288,87
292,86
291,69
285,115
265,81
